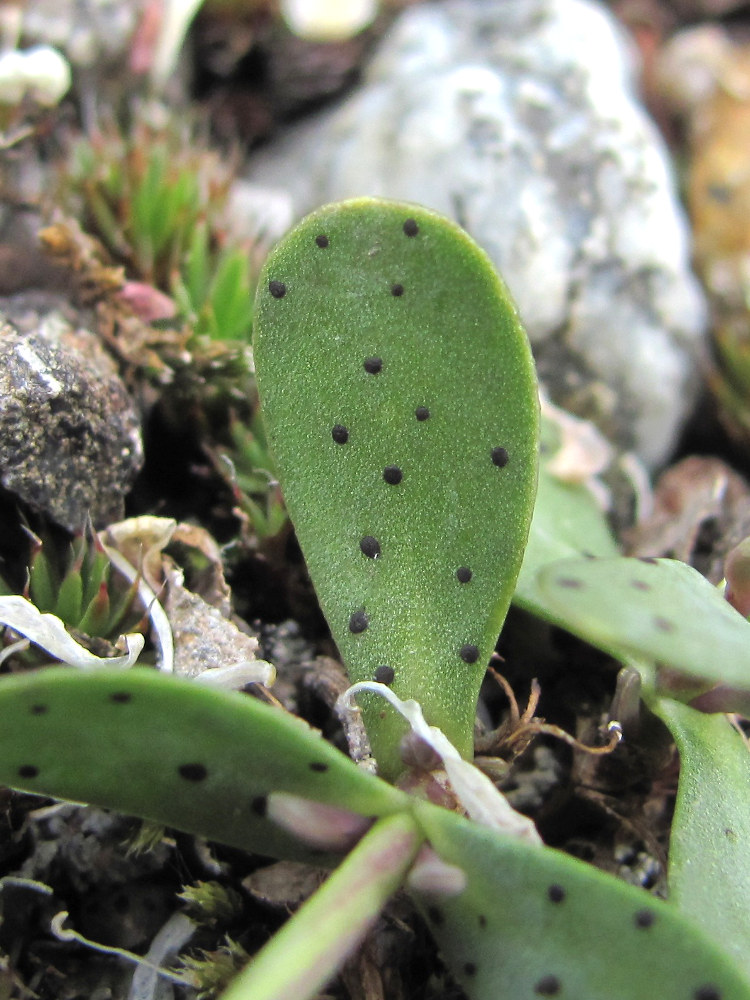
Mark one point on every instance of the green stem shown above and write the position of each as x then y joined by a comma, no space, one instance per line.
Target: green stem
310,948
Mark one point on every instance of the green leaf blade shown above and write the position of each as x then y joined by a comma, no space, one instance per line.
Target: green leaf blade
534,922
709,846
173,751
393,325
658,610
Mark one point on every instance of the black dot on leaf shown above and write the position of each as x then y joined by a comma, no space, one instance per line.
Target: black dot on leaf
410,227
499,457
707,992
640,585
373,365
470,969
644,918
28,771
322,241
548,986
397,290
556,893
482,920
121,697
339,433
358,622
469,653
392,474
39,709
463,574
318,766
422,413
569,583
259,805
193,772
277,289
369,547
384,674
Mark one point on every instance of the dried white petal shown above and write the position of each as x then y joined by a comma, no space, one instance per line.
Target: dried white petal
482,801
148,981
48,632
157,615
238,675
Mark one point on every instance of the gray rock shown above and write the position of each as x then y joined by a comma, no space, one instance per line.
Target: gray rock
89,32
519,119
70,441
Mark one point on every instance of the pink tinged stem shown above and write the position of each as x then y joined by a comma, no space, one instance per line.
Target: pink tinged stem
326,929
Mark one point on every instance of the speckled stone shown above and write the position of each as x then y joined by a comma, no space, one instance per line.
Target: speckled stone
70,440
520,119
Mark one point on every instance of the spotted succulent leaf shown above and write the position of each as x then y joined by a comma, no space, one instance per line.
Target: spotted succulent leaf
666,614
174,751
533,922
399,396
709,846
658,610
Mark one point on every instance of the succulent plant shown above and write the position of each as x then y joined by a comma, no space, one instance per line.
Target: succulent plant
533,922
145,192
523,920
80,587
680,639
660,611
218,749
399,396
249,469
407,455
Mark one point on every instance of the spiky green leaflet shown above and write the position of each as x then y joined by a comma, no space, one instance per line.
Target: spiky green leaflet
173,751
534,922
658,610
399,396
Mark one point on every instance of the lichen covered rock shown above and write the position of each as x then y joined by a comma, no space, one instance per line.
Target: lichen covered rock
519,119
70,438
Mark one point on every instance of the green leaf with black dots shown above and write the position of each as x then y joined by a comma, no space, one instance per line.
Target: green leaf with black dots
709,844
533,922
399,397
658,610
174,751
